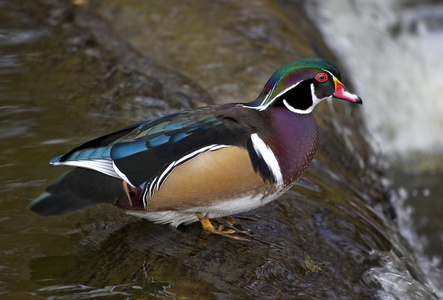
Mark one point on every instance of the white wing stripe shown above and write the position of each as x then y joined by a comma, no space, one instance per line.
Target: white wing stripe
158,180
100,165
121,174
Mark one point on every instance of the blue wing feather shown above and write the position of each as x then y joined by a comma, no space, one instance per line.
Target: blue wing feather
141,151
98,148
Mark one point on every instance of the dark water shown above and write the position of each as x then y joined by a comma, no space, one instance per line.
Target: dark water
395,46
65,78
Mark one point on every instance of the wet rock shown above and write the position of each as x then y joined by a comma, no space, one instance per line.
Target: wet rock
318,241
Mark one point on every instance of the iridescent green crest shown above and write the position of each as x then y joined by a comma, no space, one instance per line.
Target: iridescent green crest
291,75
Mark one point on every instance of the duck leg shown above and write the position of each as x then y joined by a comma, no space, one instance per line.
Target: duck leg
207,225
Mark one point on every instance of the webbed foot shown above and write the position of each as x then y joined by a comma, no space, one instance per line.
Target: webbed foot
208,226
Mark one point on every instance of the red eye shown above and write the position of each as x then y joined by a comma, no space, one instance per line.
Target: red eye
322,77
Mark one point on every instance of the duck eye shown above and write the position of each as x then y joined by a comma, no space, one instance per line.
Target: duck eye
322,77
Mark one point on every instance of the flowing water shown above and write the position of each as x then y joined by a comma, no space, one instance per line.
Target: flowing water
393,49
329,237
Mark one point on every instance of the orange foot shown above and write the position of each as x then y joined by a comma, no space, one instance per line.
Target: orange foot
207,225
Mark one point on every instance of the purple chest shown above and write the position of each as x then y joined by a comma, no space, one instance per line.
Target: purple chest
294,142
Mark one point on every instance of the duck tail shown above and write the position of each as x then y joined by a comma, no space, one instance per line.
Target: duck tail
78,189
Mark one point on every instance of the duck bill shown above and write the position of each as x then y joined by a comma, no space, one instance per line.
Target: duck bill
342,93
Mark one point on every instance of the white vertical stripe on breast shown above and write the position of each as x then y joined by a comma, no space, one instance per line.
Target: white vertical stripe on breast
268,156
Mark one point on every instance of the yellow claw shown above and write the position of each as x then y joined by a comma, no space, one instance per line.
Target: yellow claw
207,225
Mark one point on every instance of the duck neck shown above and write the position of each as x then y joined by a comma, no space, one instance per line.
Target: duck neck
294,142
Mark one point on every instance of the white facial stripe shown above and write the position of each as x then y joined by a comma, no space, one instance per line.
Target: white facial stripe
315,100
287,104
268,156
263,107
267,97
328,73
298,111
273,99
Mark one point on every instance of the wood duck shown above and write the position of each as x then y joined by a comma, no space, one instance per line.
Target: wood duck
203,163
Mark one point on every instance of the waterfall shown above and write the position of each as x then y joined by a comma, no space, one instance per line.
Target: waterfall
392,51
394,55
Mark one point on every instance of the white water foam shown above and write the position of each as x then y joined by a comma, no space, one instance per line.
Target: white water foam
393,55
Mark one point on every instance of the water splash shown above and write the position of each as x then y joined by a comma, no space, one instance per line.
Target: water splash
395,279
392,49
393,52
